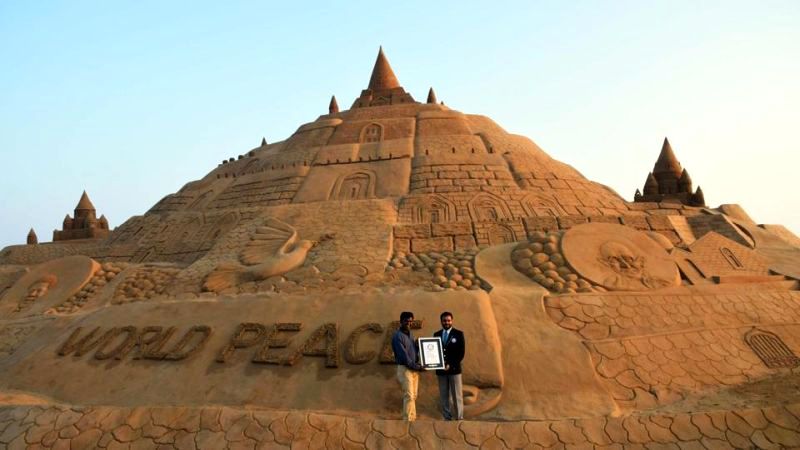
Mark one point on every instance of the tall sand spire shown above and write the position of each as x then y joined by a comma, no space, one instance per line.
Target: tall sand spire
383,77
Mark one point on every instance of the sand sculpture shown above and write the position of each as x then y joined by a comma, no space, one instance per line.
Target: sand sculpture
669,181
254,307
273,250
85,224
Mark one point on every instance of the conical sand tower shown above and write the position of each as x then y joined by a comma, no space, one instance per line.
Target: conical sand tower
669,181
85,224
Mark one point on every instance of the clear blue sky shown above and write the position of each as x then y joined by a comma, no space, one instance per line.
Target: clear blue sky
130,100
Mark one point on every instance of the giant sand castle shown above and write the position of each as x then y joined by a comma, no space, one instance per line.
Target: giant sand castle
253,308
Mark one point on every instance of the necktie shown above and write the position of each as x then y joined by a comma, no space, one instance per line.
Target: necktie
444,336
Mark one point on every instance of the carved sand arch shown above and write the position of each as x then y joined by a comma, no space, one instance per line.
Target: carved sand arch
486,207
501,234
371,133
731,257
358,185
433,209
541,206
771,349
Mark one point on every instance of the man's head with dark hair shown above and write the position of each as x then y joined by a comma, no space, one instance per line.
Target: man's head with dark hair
406,317
447,320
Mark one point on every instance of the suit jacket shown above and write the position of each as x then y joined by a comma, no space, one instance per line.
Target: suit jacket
453,351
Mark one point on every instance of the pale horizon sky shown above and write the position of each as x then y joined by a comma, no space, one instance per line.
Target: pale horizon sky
130,101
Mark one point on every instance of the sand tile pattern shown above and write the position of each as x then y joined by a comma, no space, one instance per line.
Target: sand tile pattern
620,316
708,251
645,371
62,427
656,349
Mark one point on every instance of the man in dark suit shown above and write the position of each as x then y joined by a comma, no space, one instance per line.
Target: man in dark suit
450,395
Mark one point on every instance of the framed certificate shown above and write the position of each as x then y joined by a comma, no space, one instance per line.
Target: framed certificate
430,353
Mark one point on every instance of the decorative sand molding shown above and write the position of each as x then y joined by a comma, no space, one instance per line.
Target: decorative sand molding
449,270
541,259
227,427
254,307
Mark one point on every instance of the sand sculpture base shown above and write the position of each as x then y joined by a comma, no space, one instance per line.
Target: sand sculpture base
59,426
